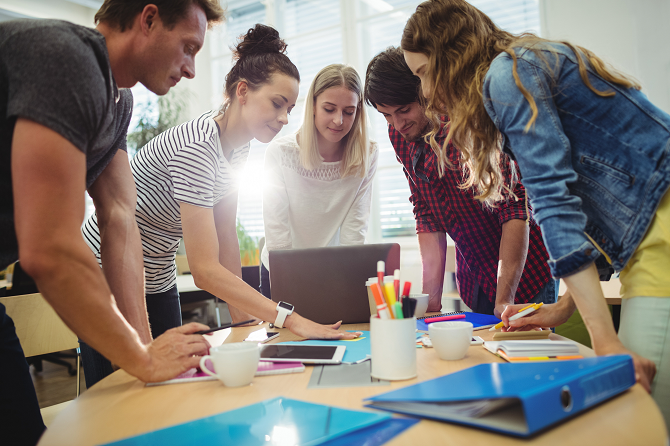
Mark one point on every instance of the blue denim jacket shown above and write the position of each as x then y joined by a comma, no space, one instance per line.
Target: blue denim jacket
590,164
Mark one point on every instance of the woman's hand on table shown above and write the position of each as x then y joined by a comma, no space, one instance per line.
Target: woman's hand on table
174,352
645,369
311,330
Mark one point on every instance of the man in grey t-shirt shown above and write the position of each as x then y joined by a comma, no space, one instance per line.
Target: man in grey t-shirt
64,118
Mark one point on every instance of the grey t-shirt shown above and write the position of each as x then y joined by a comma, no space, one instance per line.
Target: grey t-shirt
57,74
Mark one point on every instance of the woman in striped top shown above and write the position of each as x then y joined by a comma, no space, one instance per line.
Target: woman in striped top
186,187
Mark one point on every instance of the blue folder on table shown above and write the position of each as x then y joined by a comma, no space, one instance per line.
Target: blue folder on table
515,399
278,421
477,319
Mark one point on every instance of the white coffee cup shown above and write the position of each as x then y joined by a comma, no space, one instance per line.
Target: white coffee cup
235,364
450,339
421,304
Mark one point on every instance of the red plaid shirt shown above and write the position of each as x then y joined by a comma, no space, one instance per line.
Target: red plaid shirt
440,206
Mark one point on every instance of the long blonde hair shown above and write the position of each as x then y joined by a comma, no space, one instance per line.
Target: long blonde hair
356,144
460,42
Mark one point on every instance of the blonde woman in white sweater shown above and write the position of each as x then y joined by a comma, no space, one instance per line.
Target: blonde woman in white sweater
319,179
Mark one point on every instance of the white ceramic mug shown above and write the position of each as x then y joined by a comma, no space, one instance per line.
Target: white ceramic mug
421,304
234,364
451,339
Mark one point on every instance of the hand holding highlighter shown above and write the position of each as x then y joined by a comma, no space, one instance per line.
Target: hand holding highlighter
522,312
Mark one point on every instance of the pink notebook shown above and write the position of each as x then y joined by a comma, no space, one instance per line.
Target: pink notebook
264,368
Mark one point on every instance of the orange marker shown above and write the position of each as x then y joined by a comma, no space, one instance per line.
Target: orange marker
382,309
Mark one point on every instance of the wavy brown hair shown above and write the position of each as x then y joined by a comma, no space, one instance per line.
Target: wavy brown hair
460,42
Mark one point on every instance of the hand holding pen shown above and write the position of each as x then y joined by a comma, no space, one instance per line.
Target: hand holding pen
550,315
524,311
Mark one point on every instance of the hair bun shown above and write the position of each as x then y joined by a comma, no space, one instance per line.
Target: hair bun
260,39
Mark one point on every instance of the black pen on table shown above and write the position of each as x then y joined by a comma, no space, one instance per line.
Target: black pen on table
211,330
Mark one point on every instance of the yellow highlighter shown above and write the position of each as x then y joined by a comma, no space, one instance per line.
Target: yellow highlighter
522,312
389,295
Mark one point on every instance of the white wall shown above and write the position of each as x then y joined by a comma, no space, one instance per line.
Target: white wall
633,35
200,87
51,9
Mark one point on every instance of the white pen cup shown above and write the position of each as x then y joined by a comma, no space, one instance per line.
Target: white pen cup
450,339
234,364
393,348
421,304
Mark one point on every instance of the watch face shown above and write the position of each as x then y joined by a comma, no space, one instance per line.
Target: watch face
285,305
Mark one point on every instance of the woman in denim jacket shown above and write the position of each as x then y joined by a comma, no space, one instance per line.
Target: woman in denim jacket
592,151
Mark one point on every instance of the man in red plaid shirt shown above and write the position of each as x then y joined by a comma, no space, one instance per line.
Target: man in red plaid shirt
500,256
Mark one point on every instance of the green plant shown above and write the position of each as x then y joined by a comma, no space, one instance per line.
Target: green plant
249,254
156,117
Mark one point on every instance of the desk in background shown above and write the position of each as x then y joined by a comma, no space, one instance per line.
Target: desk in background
120,406
610,289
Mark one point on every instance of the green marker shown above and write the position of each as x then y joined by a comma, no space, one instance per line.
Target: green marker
397,310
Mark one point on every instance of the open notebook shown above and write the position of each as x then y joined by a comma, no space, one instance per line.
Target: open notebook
534,350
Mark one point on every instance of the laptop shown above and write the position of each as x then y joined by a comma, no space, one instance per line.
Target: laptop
327,285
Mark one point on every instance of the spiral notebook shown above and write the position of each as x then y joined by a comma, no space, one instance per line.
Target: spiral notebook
478,320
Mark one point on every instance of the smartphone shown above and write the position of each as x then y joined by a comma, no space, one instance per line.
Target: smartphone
476,340
261,336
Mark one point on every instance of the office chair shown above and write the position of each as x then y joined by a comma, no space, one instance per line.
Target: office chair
40,331
20,283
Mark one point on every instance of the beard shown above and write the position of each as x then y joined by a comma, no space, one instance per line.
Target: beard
424,127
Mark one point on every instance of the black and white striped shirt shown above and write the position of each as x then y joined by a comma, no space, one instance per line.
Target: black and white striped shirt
183,164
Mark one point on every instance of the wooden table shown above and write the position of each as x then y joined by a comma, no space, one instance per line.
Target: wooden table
120,406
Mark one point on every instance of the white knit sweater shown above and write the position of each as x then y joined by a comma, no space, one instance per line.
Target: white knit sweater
312,208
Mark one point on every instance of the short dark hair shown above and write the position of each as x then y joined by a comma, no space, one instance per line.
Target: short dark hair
121,13
389,81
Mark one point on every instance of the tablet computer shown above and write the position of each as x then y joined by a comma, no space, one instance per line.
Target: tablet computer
307,354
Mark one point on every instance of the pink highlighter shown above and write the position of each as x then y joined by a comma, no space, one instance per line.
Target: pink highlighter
444,318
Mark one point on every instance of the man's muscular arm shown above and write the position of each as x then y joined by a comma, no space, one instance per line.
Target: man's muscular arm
49,180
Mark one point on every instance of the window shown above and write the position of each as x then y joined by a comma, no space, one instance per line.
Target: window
319,33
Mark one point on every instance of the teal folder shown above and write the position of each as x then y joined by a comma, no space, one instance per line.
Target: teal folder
512,398
274,421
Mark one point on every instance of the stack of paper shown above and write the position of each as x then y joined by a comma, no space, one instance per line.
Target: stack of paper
534,350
